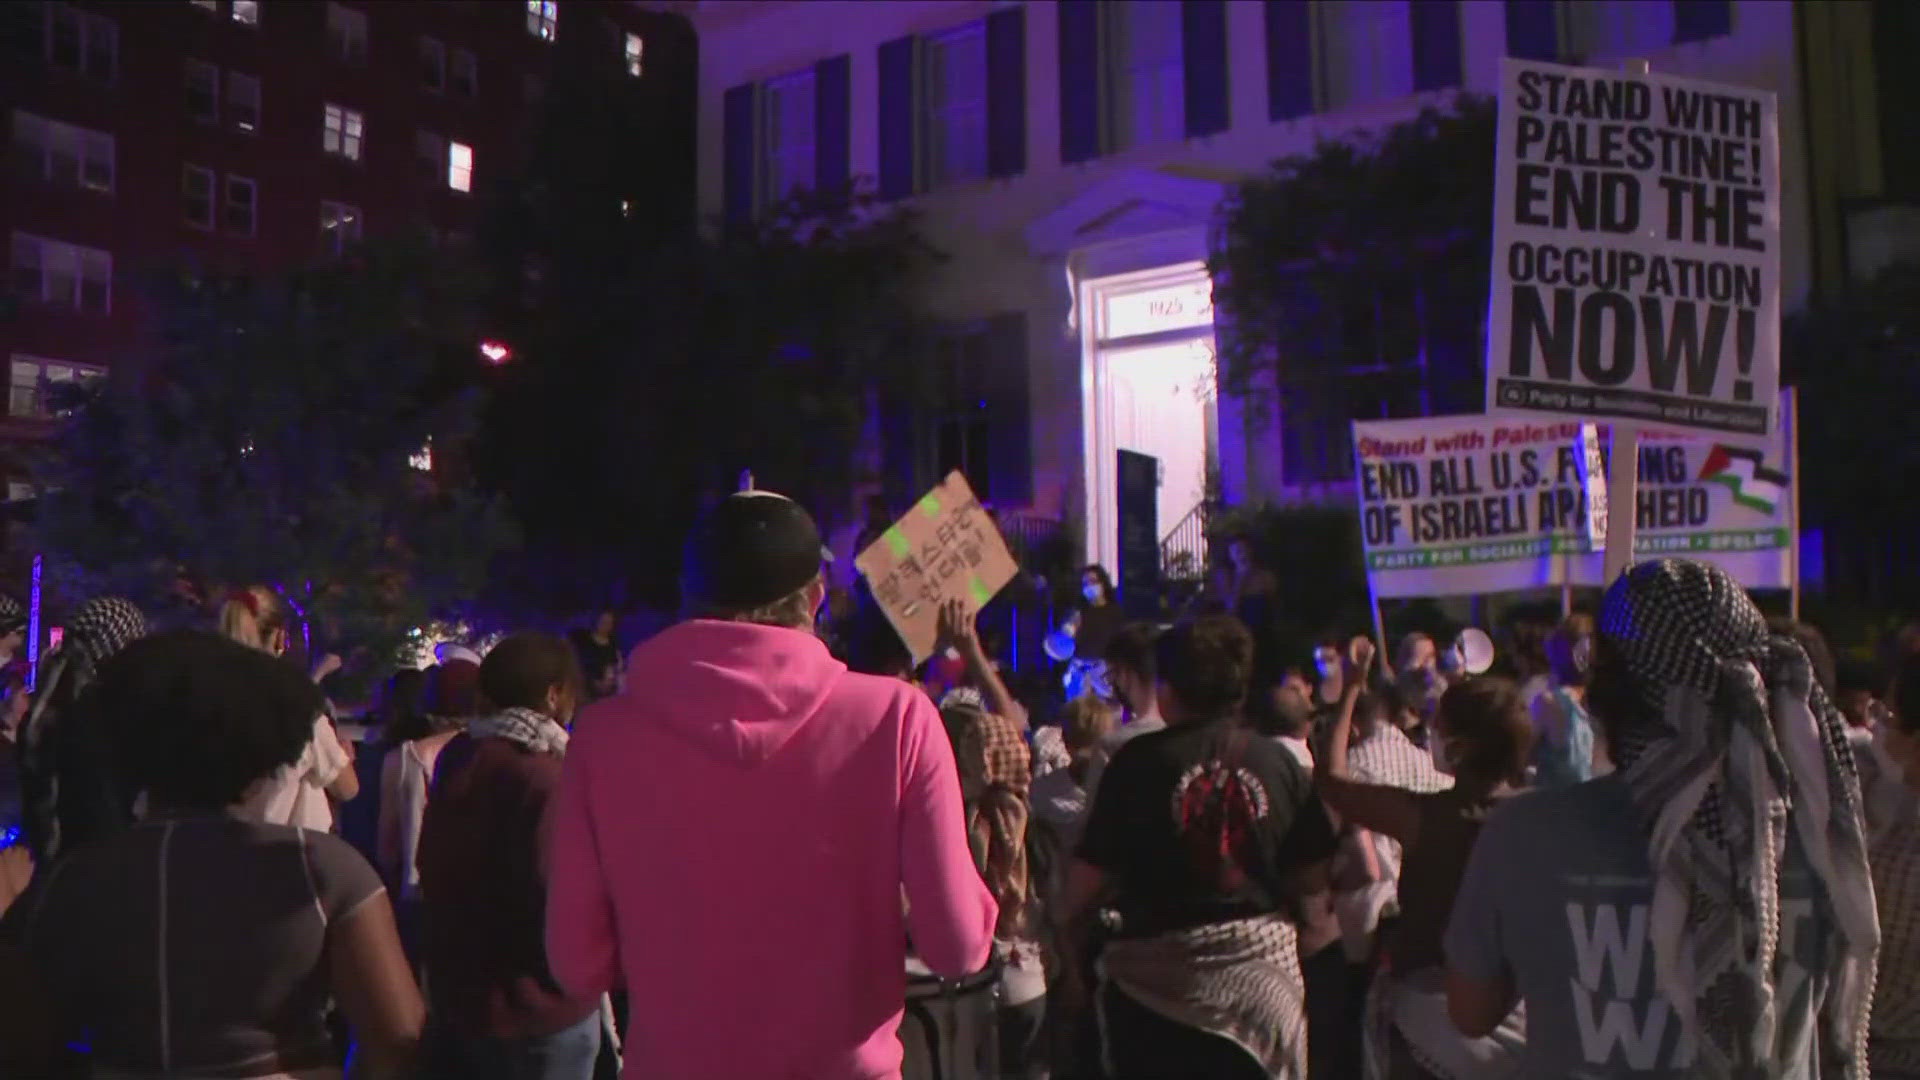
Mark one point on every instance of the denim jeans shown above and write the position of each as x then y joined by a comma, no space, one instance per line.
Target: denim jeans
567,1054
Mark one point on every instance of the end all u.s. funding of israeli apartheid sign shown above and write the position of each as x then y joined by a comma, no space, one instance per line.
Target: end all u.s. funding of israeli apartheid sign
1636,250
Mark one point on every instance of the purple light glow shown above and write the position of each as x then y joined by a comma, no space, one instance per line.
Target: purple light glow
33,623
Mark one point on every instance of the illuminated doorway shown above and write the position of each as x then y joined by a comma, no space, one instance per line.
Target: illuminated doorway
1149,381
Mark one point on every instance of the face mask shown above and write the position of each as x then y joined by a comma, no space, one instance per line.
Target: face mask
1442,759
1092,591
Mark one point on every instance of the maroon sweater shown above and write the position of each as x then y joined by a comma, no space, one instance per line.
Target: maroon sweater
481,861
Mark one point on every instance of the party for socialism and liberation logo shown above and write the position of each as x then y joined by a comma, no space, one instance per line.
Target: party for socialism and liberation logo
1745,473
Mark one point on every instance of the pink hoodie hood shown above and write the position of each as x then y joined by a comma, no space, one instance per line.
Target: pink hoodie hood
740,692
731,840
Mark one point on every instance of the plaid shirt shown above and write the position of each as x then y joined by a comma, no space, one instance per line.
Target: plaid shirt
1389,758
1895,858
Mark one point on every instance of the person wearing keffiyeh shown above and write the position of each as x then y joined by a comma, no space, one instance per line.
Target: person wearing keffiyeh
1710,898
482,861
70,790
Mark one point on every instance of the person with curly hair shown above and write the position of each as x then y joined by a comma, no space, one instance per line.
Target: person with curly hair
1207,837
197,942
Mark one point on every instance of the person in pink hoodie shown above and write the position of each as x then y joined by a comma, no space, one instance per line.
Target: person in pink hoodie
733,833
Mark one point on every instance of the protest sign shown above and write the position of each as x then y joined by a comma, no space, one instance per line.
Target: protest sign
1467,504
945,548
1704,498
1636,251
1460,505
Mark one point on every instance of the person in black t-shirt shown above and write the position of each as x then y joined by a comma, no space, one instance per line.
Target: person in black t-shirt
1201,839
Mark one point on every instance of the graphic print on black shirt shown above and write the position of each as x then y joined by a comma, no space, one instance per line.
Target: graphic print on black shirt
1202,823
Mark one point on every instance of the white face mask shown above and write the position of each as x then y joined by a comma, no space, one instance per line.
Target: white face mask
1442,760
1092,591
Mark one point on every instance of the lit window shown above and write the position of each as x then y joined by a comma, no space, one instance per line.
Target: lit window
196,187
422,458
29,378
347,34
242,198
460,166
626,208
62,154
344,128
542,18
203,92
62,275
636,54
339,227
246,11
787,153
433,63
1144,40
208,5
954,95
82,41
466,74
1366,52
243,101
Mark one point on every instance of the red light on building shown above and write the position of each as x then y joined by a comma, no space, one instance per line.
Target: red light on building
496,352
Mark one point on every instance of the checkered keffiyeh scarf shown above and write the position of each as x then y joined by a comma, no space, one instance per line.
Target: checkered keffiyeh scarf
1239,980
531,730
102,627
1388,757
1735,744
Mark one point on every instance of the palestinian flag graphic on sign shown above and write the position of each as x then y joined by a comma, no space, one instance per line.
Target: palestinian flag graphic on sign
1745,472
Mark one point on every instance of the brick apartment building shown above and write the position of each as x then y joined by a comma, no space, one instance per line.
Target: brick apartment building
261,134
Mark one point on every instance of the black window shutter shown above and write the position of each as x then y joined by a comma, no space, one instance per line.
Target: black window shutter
740,136
1203,62
1007,92
1698,20
1436,44
1011,422
1289,59
1079,81
1532,31
832,120
896,118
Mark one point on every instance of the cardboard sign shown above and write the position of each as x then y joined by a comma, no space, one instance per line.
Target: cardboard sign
1636,251
1461,505
946,547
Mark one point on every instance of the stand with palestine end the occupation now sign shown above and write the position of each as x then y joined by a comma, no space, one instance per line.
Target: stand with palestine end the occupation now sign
1636,251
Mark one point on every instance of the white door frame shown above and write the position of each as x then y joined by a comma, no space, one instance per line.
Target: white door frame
1098,449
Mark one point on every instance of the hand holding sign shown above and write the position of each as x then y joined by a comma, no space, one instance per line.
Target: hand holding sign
946,548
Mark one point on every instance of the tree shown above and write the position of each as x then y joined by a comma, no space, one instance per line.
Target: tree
1351,283
270,437
655,360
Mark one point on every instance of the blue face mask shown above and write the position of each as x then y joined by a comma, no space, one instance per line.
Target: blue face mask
1092,591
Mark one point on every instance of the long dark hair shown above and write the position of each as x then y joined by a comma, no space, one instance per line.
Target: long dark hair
1107,591
403,707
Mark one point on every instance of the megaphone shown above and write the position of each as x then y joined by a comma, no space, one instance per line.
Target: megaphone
1473,651
1060,645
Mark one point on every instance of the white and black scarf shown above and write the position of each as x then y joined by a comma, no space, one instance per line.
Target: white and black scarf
529,729
1728,744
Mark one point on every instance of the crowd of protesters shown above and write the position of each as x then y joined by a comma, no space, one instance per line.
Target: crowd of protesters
1668,840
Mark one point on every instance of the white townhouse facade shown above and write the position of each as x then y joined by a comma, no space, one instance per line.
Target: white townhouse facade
1069,157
